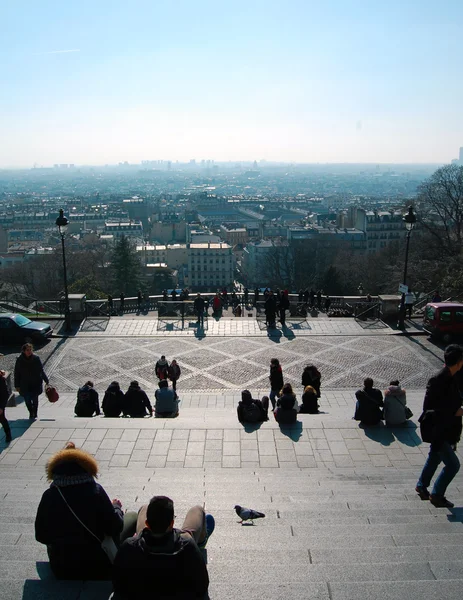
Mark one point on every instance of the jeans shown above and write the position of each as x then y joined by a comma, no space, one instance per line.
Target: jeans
6,425
32,402
200,314
447,455
272,396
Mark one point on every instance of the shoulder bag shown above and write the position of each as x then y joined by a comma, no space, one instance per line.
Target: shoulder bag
108,546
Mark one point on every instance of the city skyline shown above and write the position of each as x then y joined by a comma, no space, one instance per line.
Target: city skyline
346,82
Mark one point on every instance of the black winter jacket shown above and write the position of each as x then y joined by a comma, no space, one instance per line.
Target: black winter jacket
73,552
149,567
443,396
4,394
276,378
113,401
87,402
136,402
29,374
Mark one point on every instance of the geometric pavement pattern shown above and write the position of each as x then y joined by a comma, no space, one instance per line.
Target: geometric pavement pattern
221,363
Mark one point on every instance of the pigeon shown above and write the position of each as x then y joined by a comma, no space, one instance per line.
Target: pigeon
247,514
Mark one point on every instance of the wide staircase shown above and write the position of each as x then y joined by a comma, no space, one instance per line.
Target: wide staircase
330,533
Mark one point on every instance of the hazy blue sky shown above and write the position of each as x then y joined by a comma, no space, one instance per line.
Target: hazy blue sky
294,80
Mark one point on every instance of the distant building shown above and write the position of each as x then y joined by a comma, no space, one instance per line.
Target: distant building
381,227
127,228
253,261
233,233
210,266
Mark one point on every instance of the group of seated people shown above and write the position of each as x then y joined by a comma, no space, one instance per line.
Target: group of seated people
371,408
133,403
286,408
89,537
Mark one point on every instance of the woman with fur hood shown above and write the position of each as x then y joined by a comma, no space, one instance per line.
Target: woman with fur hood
73,551
395,405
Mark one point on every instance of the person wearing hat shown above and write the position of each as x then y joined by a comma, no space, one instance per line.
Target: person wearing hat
74,516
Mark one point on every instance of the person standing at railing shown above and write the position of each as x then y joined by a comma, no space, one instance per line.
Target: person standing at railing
199,304
122,302
409,302
139,300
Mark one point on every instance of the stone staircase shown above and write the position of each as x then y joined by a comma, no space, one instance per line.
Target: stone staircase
329,533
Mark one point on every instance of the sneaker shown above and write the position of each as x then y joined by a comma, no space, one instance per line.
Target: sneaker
440,501
422,492
210,526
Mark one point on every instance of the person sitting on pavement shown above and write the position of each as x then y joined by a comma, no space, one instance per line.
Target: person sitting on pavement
312,376
74,516
113,400
136,402
161,561
395,405
287,407
162,368
309,401
87,401
369,406
250,410
166,404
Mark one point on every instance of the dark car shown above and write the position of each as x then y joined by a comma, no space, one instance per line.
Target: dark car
19,329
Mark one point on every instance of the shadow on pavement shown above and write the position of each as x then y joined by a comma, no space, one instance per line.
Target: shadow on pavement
250,427
379,434
294,432
386,435
18,427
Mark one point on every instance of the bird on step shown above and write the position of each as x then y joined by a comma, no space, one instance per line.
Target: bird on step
247,514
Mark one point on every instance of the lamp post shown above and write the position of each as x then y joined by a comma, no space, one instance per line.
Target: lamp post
410,220
62,224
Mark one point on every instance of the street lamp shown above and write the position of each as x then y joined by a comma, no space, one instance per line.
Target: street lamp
62,224
410,220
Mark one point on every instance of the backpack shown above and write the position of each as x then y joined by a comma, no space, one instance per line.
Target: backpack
252,413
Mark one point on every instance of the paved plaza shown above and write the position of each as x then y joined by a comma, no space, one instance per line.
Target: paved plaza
342,519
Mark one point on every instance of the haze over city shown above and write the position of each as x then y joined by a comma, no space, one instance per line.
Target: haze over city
301,81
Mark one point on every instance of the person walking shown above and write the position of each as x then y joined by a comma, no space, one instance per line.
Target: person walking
174,373
4,395
276,380
443,397
199,304
29,377
162,368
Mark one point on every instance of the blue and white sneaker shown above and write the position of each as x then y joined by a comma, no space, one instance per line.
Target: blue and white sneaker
210,526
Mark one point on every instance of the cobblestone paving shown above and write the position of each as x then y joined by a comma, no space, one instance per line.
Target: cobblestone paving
214,363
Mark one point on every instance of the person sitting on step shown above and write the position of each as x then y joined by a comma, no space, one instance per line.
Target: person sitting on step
113,400
166,404
136,402
250,410
287,406
87,401
369,406
309,401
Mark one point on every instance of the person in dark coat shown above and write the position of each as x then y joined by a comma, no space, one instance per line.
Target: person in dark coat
250,410
113,400
246,296
327,303
300,296
73,552
217,304
199,305
29,377
139,300
256,296
161,368
87,401
162,561
136,402
173,373
369,406
444,398
4,395
122,302
319,299
286,408
276,380
110,304
309,401
284,306
312,376
312,298
270,309
306,296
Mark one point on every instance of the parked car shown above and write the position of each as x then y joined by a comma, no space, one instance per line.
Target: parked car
443,320
15,328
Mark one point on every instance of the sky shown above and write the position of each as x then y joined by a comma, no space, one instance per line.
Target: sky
97,82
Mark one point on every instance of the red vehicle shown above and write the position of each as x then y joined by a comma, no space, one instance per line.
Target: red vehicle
443,320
